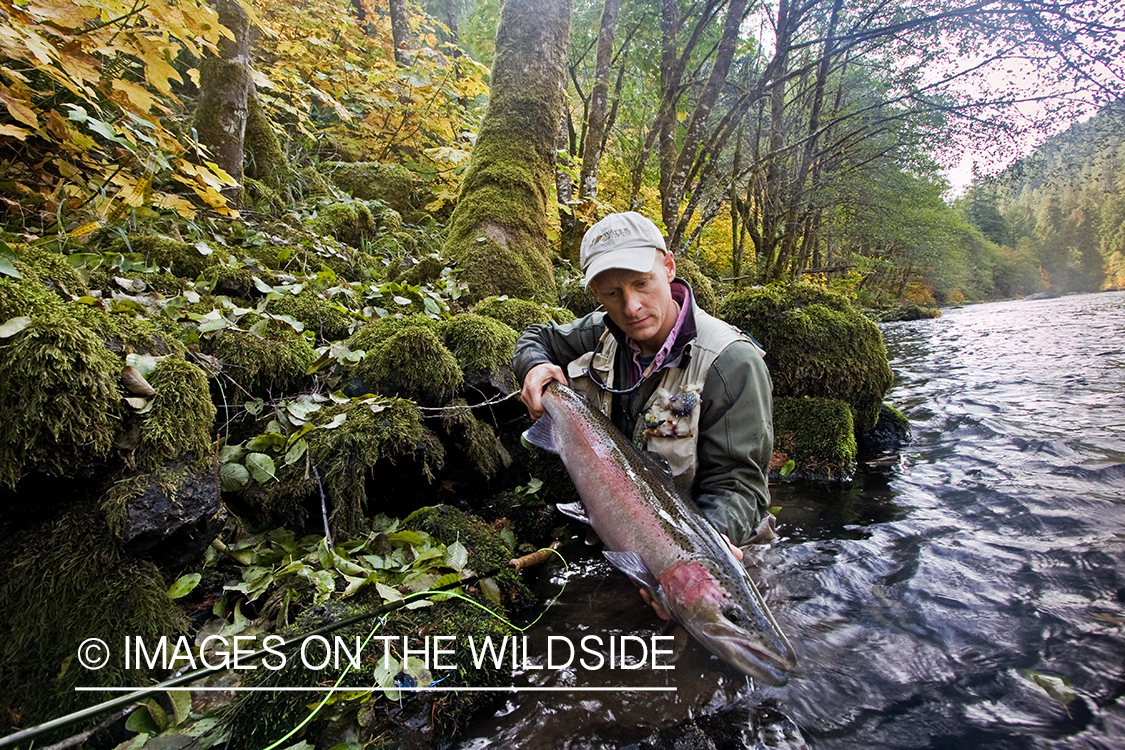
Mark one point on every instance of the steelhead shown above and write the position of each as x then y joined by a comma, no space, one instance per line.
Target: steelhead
659,538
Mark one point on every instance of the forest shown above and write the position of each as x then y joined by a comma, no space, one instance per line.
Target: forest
263,264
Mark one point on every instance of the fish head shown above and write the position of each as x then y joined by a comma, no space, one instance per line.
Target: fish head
725,613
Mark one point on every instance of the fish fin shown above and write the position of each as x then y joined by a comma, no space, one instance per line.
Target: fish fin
574,510
631,564
542,434
592,538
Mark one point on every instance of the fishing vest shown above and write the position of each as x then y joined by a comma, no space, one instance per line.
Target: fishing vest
669,422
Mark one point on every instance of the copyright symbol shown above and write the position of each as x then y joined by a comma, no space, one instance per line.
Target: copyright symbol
93,653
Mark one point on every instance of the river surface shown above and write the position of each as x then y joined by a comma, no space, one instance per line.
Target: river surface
968,592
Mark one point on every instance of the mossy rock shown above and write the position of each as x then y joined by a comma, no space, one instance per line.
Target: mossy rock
67,580
382,433
816,345
181,258
46,280
487,551
908,312
424,271
348,221
392,184
262,365
328,319
411,362
705,296
817,434
58,397
483,347
577,298
518,314
162,282
890,433
50,269
478,439
179,420
125,333
377,331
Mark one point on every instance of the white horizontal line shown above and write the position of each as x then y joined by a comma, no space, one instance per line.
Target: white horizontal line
430,689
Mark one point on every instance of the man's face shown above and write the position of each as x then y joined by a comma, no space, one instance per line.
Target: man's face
640,303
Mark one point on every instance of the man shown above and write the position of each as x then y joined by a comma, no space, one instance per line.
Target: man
682,383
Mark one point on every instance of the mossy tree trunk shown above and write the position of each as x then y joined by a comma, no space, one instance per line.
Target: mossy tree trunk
498,233
224,83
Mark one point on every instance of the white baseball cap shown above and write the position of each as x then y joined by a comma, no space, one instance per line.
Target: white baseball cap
625,240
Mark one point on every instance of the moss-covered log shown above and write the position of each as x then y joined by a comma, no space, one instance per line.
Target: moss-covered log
498,233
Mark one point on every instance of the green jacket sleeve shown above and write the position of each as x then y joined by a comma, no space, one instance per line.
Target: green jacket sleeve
558,344
735,442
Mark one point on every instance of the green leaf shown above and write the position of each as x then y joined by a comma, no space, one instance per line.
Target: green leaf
203,248
181,705
184,585
261,467
294,454
233,477
491,591
141,722
12,326
789,467
8,268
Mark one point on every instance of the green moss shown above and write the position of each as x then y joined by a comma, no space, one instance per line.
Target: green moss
65,581
518,314
424,271
311,183
181,258
326,318
50,269
477,438
163,282
576,297
909,312
411,362
178,424
483,347
687,270
817,434
125,333
390,183
370,434
58,398
350,222
262,365
816,345
487,551
265,159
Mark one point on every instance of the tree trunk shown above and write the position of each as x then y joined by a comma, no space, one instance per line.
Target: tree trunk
498,232
400,30
599,101
224,83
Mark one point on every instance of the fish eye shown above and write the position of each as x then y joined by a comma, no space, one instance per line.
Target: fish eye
735,615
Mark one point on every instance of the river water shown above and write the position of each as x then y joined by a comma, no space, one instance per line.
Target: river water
966,593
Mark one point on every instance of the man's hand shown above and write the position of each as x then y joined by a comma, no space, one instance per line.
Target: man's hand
655,607
738,553
537,379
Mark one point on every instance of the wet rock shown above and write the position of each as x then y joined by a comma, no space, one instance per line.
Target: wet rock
175,516
890,433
